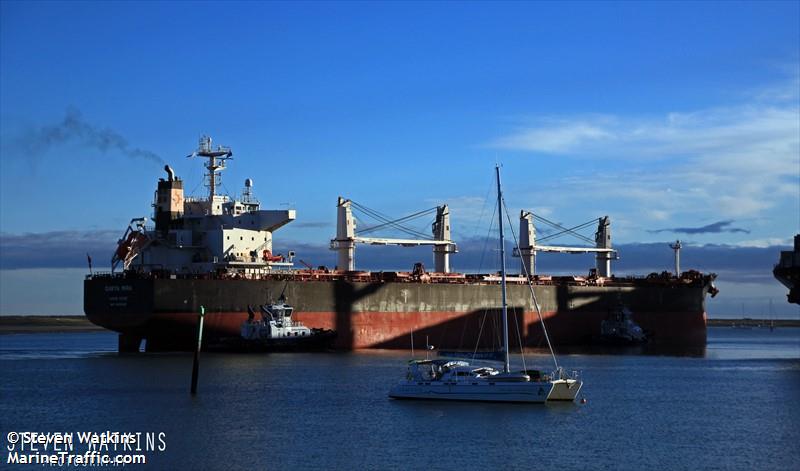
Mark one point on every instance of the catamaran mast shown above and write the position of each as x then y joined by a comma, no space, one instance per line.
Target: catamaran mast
506,366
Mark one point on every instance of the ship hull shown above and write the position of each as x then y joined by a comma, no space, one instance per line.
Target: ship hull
383,314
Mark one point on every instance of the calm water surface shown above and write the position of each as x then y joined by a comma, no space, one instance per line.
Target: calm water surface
737,406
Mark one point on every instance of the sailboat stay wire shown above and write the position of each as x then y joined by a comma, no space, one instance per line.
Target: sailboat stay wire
533,295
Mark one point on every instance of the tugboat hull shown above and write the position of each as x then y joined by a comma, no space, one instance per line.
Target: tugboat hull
320,340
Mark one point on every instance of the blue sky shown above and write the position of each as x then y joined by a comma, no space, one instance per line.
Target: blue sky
662,115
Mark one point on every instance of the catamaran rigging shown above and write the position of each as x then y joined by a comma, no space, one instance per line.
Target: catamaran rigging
457,380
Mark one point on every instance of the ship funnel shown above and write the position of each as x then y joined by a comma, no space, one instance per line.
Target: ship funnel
168,202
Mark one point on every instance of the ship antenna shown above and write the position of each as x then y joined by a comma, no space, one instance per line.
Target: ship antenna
216,163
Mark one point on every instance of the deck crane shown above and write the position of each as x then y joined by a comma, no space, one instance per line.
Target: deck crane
347,236
528,245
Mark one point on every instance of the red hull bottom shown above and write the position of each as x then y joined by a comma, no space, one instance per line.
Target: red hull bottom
446,330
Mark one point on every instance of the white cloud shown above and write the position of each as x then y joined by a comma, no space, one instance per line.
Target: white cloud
781,92
765,243
659,214
736,161
559,136
725,135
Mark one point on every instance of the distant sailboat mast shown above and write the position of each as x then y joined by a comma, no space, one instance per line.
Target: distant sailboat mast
771,317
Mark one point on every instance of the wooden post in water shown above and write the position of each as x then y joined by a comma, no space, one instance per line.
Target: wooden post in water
196,365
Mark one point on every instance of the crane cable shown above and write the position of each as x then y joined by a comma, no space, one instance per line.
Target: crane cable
572,229
387,222
397,221
565,230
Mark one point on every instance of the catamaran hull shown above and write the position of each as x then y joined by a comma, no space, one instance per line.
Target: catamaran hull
532,393
565,390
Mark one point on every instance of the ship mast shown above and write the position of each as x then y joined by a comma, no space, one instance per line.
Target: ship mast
216,163
506,366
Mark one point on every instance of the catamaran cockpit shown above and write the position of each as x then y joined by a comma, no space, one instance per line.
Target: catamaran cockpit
447,370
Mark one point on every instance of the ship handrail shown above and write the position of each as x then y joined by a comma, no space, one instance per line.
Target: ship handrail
654,279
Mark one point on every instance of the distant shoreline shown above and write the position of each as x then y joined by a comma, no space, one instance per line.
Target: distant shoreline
748,322
55,324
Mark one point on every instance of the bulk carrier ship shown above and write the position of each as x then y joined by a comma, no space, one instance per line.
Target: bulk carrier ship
787,271
216,252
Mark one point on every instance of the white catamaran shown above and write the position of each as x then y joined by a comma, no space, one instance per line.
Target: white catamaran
456,380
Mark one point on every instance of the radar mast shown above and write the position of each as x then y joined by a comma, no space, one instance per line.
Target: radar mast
216,163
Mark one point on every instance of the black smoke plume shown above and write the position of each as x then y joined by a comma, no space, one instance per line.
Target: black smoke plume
74,129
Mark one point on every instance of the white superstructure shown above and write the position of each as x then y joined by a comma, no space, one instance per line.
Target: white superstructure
276,323
201,235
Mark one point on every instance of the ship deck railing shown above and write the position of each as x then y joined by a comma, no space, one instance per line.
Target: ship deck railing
664,278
